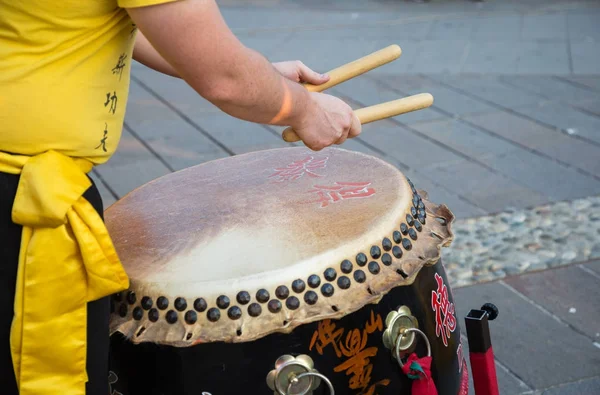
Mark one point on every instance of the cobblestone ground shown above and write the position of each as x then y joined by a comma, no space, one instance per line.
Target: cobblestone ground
492,247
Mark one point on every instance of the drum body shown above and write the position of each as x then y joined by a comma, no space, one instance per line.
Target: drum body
349,351
282,271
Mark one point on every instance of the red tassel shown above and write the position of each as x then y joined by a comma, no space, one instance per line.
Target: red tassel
419,370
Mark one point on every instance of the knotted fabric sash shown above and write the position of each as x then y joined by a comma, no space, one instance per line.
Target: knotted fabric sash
66,259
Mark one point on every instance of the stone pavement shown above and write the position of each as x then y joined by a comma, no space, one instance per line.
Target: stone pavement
511,145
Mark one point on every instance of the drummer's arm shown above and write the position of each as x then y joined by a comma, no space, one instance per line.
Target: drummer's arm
145,53
193,38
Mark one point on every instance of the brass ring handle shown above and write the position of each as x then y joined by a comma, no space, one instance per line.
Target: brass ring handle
408,330
322,377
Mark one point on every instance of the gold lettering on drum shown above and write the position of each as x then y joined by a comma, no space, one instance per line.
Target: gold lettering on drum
352,348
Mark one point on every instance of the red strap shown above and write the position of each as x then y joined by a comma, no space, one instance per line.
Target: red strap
419,370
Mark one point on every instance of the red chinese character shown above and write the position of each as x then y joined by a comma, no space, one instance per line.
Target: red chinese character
442,307
297,169
341,191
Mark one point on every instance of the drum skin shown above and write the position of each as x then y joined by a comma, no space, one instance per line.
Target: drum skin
349,351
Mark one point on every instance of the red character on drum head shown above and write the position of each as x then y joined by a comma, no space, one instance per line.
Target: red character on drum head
341,191
297,169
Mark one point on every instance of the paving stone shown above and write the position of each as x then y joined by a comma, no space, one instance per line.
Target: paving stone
174,90
565,118
592,106
238,135
495,28
123,178
440,195
180,154
266,43
583,26
455,28
544,27
507,382
445,99
491,89
544,175
588,81
561,290
594,266
586,57
242,20
129,151
532,135
369,92
439,56
526,340
542,57
395,32
551,88
491,57
465,139
584,387
168,134
411,150
484,188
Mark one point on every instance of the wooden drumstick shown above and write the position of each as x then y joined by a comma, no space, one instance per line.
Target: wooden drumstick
357,67
380,111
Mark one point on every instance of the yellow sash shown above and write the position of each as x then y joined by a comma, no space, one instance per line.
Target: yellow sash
66,259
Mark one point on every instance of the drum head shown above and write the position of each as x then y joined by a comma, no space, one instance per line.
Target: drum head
237,248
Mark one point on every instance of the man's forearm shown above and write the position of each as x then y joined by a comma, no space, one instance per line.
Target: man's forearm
145,53
251,88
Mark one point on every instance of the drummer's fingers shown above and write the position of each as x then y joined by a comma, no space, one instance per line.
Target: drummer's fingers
345,133
356,127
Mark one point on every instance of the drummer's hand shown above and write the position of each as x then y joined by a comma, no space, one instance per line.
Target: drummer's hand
297,71
327,121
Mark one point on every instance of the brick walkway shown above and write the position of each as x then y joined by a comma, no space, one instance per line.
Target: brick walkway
515,124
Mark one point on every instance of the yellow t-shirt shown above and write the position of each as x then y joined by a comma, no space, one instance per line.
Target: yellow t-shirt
64,75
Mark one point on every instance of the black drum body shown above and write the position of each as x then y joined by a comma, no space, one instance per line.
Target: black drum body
349,351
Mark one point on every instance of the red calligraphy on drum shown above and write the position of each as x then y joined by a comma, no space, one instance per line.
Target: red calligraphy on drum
351,347
340,191
297,169
445,320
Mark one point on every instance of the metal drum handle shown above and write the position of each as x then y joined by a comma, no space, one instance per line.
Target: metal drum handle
295,379
289,372
398,343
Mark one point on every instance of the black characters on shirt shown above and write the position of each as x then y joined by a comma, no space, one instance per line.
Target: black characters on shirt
112,100
118,69
103,141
